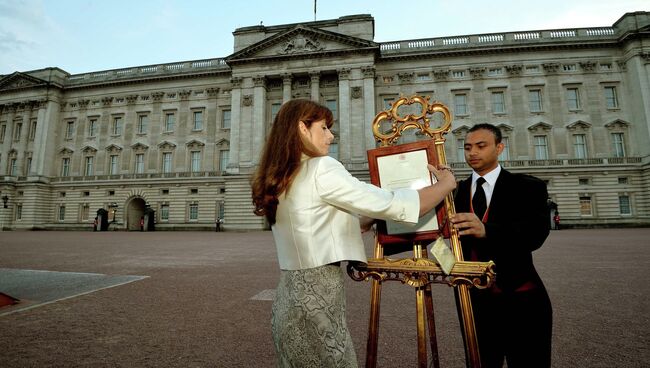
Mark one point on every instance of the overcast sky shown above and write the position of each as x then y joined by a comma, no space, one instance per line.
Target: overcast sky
81,36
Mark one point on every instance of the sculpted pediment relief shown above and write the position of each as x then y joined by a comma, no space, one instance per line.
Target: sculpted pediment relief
301,40
18,80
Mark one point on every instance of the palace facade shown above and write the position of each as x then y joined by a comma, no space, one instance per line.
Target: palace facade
176,143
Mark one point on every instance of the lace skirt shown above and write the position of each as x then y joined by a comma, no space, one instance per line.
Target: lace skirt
308,319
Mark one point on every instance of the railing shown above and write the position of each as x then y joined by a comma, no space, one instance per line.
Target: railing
158,176
520,38
135,72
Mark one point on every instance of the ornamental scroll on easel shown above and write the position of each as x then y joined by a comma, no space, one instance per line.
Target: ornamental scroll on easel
419,271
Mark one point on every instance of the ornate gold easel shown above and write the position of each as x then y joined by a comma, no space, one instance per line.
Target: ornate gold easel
420,271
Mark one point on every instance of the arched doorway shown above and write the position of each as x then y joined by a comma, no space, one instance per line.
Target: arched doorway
134,212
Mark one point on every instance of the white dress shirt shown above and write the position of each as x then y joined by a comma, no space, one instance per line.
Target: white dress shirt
317,219
488,186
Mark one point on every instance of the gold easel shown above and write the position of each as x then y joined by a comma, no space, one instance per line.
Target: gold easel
420,272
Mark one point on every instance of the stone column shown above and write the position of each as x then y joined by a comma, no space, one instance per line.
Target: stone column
259,120
24,138
315,86
44,159
235,121
344,115
154,157
9,138
368,105
286,87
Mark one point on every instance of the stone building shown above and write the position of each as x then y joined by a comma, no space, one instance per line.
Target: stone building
177,142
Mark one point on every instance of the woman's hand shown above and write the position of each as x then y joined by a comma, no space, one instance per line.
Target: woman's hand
445,176
366,223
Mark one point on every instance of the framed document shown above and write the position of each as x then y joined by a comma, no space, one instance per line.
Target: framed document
405,166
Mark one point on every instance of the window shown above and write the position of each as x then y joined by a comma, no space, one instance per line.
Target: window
196,161
164,212
92,127
276,107
19,211
583,181
611,101
498,103
169,122
532,69
13,167
194,211
388,102
167,162
65,166
460,104
84,212
61,215
495,72
460,150
143,124
224,157
569,67
573,99
116,129
624,205
541,147
113,168
622,180
139,163
605,67
164,191
198,120
535,100
585,206
32,131
458,74
69,131
225,119
505,154
580,145
424,77
19,127
28,165
194,190
3,130
618,142
89,167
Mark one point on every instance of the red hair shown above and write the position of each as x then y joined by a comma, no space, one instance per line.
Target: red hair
281,154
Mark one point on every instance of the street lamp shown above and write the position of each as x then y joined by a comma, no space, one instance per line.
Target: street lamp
5,199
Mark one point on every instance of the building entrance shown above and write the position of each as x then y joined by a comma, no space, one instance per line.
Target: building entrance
134,213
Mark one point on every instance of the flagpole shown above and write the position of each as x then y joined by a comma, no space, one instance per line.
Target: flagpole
315,10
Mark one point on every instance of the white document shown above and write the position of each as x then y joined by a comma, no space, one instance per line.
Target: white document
443,255
407,170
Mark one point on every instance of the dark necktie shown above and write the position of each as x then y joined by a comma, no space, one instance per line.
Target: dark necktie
479,203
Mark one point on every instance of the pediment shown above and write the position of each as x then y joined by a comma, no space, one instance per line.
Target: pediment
18,80
65,151
89,150
460,131
166,145
301,40
617,124
113,148
194,144
139,146
540,127
578,125
505,128
223,142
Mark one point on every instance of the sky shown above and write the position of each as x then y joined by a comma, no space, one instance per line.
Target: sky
82,36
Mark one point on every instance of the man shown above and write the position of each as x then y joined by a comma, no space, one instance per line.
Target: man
504,219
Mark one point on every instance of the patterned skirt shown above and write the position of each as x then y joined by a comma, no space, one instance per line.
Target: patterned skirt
308,320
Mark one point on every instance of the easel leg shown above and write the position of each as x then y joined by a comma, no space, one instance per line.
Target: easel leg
469,329
428,299
373,327
421,326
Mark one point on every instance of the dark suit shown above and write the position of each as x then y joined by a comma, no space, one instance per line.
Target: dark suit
514,318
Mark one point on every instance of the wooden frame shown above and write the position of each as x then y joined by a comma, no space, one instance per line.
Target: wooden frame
394,236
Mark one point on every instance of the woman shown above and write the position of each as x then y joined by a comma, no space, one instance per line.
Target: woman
313,205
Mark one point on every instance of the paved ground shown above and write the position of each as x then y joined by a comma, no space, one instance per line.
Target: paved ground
204,301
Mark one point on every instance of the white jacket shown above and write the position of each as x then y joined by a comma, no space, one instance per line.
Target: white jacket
317,222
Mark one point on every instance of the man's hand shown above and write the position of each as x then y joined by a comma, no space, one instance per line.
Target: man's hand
366,223
468,224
